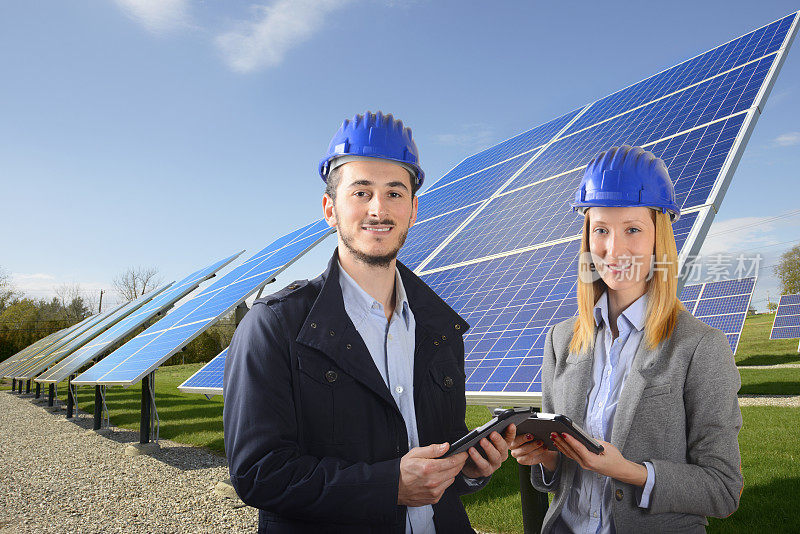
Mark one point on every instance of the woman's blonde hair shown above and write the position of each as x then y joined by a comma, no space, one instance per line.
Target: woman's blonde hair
662,288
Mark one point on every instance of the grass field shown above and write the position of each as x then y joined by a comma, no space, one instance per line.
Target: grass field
768,441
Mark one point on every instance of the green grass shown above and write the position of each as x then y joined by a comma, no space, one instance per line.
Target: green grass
768,441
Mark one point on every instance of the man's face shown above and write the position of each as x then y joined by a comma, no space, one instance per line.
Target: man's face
373,210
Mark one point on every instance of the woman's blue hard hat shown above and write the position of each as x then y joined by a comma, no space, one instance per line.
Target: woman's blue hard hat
626,176
373,135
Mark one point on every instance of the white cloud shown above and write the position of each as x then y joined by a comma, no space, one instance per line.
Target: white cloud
43,285
739,235
158,16
263,42
788,139
476,136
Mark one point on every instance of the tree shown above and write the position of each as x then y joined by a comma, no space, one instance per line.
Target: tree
772,306
751,310
136,281
7,292
788,271
72,300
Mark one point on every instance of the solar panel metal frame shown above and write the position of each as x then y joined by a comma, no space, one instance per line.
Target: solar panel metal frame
209,389
784,302
187,288
126,383
705,212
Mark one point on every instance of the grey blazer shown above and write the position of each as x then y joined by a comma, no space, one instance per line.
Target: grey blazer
678,409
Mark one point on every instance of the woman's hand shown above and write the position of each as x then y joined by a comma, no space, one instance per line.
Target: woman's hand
529,452
610,462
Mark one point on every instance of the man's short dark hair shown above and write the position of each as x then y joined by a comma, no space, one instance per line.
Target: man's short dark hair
336,174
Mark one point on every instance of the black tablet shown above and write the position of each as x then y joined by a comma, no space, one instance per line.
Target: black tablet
498,423
540,425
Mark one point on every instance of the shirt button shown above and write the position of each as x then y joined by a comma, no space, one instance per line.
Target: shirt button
618,494
399,389
594,514
389,336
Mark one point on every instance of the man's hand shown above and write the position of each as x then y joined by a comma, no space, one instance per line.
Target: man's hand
424,476
496,450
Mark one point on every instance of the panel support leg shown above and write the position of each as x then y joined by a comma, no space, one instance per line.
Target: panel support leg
51,393
27,387
38,390
144,423
70,398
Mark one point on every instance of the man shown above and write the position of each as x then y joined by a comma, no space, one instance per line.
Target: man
343,392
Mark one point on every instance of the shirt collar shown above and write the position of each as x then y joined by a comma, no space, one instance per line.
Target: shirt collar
635,314
359,303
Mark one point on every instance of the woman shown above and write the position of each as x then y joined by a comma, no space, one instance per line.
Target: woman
656,386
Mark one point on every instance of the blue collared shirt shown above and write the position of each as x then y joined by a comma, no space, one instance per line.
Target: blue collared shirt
391,344
588,505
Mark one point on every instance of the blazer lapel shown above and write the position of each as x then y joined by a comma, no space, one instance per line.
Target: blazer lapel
578,378
631,393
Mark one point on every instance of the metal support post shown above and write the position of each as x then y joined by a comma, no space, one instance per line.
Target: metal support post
19,382
38,390
27,387
144,423
13,385
70,398
534,503
98,408
51,394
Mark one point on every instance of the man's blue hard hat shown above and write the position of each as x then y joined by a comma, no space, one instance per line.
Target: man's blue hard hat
373,135
626,176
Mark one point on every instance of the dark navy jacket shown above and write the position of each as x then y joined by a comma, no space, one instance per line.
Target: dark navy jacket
312,433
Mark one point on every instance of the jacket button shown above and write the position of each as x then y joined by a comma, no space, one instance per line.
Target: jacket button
618,494
332,333
448,382
313,325
331,376
348,346
444,338
458,327
293,286
436,343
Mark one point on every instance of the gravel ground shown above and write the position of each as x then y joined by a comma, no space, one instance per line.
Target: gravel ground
56,475
775,366
792,401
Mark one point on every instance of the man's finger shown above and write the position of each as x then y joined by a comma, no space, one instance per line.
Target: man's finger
434,450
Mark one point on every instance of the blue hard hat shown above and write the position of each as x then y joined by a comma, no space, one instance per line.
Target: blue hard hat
374,135
626,176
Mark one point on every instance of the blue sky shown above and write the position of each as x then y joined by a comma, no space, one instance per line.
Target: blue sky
171,133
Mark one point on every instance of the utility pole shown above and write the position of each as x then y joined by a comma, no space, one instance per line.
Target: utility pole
100,306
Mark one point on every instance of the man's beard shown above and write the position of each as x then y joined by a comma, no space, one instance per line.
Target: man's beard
381,260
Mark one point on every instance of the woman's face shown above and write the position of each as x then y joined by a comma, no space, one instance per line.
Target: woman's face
622,242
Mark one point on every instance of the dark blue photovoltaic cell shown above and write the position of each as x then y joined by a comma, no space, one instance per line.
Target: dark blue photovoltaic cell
474,189
425,236
148,350
116,333
524,142
697,106
787,318
510,304
209,377
682,227
723,304
690,293
758,43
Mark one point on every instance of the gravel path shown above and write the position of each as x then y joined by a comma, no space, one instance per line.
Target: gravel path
792,401
56,475
775,366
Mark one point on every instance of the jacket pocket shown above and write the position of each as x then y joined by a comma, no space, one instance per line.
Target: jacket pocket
447,394
654,391
325,391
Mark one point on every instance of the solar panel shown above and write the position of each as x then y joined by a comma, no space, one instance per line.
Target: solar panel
37,346
85,325
787,318
126,326
722,304
137,358
506,260
208,379
47,358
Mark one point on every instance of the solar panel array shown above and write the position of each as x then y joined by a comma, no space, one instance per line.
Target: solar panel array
496,237
47,358
208,379
83,326
722,304
159,303
38,346
137,358
787,318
